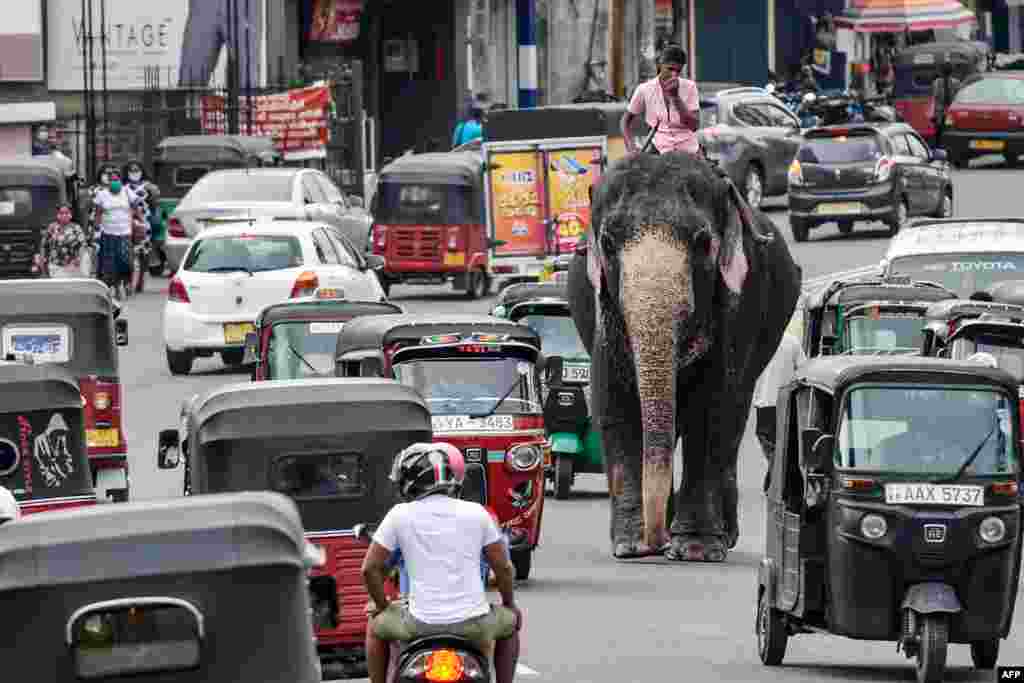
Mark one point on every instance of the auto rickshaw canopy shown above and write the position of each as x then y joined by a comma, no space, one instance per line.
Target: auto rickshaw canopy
207,566
833,374
72,296
217,149
436,168
27,387
34,171
533,291
309,309
1008,292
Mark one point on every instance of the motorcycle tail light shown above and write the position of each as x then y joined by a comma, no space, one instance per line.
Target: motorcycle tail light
305,285
101,400
176,291
175,228
443,666
796,173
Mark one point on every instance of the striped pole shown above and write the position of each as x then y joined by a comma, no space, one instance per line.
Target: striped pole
526,22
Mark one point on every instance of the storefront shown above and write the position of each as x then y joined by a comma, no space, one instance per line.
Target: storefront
795,30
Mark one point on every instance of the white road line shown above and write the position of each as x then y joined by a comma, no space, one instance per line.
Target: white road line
523,670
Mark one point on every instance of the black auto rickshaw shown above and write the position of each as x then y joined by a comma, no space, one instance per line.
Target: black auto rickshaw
42,438
869,316
893,511
75,324
206,590
329,445
30,191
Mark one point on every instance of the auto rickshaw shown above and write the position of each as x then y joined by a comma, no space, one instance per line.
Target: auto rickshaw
429,224
42,438
30,191
916,69
869,316
575,444
197,590
71,323
479,376
329,445
296,339
893,511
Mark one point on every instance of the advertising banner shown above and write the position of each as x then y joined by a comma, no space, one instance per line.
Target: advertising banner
335,21
517,203
21,42
570,175
297,119
155,43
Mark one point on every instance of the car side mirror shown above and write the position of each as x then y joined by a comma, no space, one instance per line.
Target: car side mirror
553,369
252,349
939,155
121,332
817,448
356,202
374,262
168,451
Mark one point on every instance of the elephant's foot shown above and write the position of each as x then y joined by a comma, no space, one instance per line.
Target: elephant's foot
697,549
636,547
732,537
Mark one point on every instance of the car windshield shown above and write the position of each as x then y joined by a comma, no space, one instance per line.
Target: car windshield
885,334
459,386
240,187
841,150
251,253
298,350
965,274
1007,350
926,430
1000,91
557,333
405,204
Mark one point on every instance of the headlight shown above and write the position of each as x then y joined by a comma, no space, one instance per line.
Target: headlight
524,458
101,401
992,530
873,527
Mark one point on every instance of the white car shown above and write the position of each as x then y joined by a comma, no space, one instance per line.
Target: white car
232,271
965,255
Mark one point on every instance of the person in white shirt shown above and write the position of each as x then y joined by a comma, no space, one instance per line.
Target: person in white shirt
441,539
778,373
9,510
115,216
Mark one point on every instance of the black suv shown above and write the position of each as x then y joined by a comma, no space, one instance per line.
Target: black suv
866,172
752,136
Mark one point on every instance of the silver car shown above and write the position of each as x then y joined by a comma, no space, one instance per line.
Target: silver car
283,193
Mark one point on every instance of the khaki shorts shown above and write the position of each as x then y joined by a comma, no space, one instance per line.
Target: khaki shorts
397,623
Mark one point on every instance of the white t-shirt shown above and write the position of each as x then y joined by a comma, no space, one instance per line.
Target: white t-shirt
779,371
9,502
117,211
441,539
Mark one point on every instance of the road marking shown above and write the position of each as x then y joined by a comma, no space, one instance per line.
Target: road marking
523,670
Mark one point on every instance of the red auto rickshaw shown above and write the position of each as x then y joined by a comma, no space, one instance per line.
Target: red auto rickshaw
42,438
428,213
75,324
479,375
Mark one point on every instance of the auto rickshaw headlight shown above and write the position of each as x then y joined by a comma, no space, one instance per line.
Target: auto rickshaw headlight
101,401
524,457
873,527
992,530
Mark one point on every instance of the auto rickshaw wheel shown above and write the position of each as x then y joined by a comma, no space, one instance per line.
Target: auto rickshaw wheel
931,653
845,227
563,477
522,560
985,653
179,362
476,284
232,357
772,635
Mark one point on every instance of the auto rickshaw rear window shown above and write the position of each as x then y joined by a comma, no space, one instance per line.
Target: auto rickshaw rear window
300,349
1007,350
842,149
926,430
557,333
246,253
887,333
994,90
319,475
41,343
405,204
122,640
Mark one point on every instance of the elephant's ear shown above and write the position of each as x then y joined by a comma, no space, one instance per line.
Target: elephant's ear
739,220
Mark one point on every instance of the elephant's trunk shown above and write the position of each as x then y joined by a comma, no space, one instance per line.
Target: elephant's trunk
657,296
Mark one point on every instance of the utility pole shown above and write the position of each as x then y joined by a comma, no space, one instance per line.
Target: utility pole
526,30
616,39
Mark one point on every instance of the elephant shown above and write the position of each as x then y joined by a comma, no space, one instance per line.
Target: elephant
681,293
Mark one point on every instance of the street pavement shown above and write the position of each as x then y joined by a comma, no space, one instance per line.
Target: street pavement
588,617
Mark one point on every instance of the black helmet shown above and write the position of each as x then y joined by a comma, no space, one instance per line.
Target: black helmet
672,53
422,469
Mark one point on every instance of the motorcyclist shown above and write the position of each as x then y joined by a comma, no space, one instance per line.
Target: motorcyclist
9,510
669,103
441,538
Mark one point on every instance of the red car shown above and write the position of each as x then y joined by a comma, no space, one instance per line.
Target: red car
986,117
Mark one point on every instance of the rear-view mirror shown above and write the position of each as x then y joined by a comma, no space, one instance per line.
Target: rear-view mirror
817,449
553,370
939,155
168,450
252,349
121,332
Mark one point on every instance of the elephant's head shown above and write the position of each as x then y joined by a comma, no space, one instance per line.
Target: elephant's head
668,253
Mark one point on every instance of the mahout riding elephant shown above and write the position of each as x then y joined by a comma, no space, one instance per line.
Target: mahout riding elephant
681,293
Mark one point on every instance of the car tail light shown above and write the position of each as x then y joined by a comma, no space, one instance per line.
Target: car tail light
796,173
176,291
949,121
175,228
305,285
454,239
883,169
380,239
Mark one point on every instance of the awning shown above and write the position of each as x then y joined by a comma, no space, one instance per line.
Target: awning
893,16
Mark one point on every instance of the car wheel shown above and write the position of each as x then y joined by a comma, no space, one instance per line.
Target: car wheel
753,185
179,362
899,217
772,636
800,229
845,227
232,357
945,209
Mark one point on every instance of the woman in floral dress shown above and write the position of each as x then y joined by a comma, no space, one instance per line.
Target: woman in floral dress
61,250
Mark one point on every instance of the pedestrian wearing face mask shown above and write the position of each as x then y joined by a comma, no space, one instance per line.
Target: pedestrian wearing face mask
60,254
146,196
91,228
114,218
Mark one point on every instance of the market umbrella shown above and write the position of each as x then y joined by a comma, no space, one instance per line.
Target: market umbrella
893,16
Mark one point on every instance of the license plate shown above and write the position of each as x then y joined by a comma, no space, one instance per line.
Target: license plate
234,333
6,208
996,145
332,327
458,259
465,423
575,373
841,208
935,494
102,438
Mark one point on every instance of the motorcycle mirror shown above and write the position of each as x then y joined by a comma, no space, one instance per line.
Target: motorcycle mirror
121,332
168,453
817,448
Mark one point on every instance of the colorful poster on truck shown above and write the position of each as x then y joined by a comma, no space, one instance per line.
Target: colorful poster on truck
570,175
517,203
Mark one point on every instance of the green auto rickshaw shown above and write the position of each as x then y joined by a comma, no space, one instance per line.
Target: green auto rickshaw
575,445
